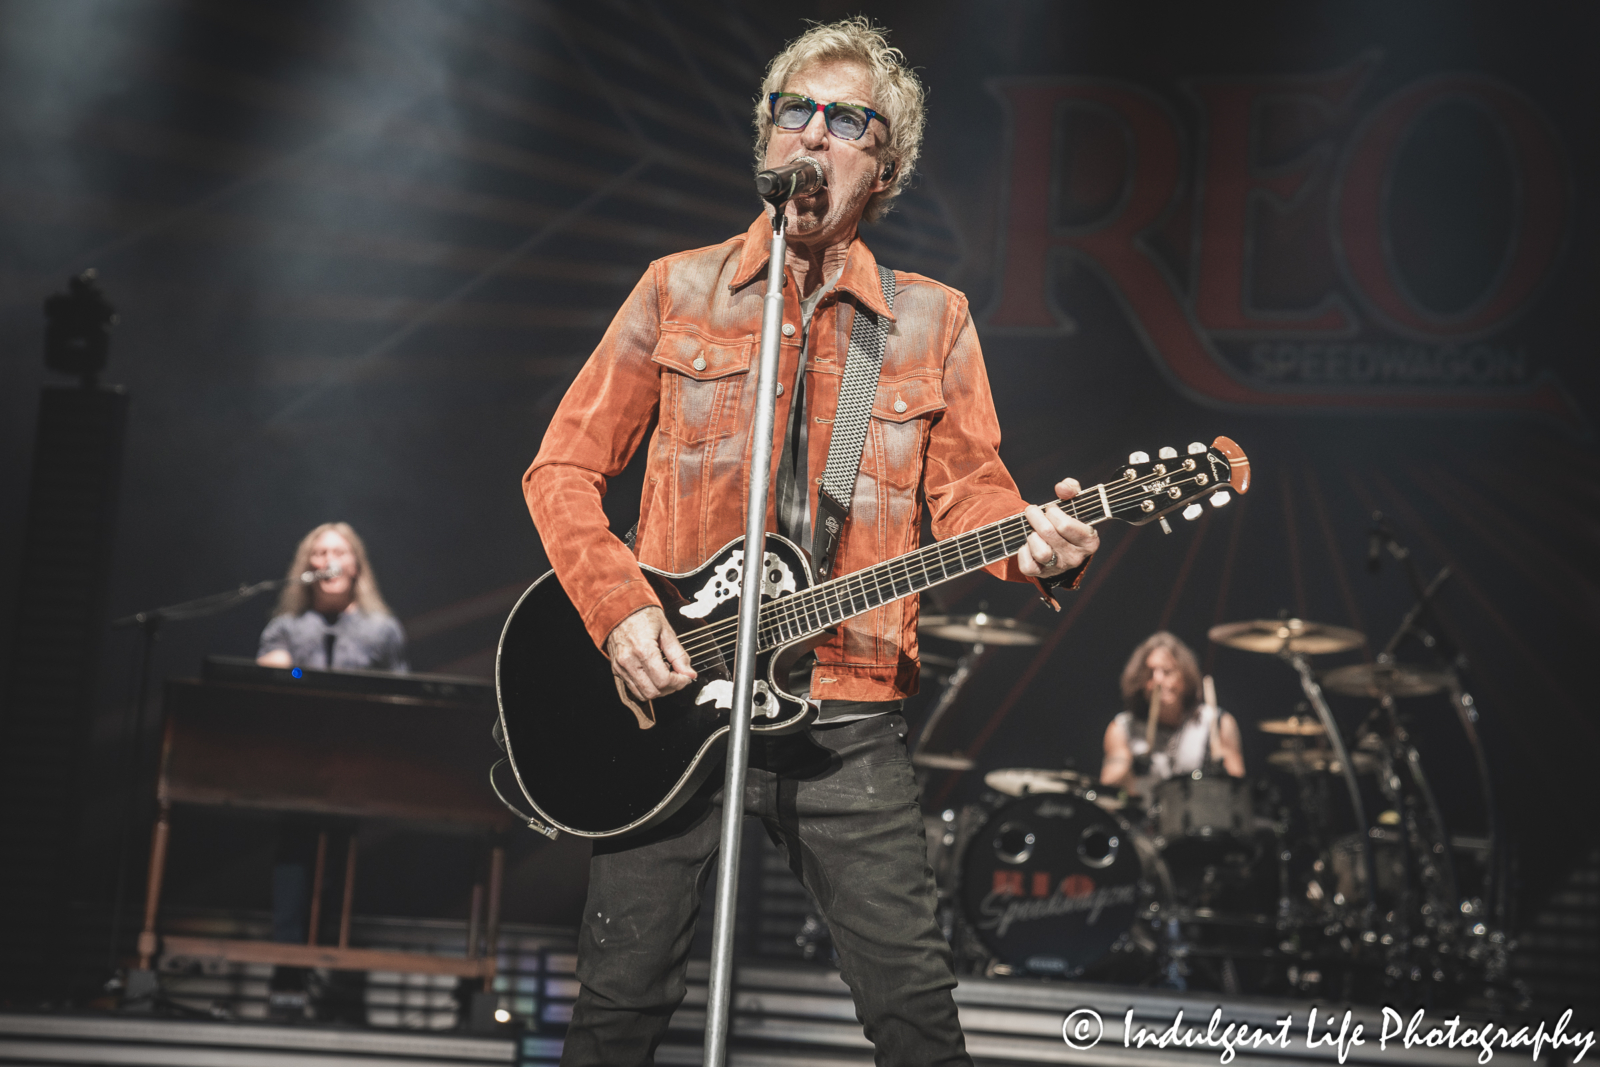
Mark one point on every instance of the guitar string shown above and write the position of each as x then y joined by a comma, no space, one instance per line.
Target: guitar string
816,599
777,614
813,610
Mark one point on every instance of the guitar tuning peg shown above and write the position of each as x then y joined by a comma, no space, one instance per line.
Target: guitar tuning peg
1167,452
1138,457
1164,527
1195,448
1219,498
1192,512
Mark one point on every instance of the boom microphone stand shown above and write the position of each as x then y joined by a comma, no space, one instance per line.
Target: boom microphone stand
149,624
719,995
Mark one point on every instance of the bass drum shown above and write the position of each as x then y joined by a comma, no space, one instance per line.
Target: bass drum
1054,884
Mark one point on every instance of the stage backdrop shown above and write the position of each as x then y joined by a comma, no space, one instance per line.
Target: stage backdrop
359,249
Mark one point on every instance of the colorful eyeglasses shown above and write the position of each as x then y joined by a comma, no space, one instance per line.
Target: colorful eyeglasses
848,122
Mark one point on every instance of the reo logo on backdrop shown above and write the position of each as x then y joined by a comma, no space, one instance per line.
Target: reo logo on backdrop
1299,251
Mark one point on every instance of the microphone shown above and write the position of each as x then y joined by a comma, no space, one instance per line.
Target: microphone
799,178
313,577
1375,538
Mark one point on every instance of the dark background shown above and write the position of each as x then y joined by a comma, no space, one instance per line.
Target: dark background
360,249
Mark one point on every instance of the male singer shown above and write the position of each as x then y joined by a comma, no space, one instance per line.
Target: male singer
840,797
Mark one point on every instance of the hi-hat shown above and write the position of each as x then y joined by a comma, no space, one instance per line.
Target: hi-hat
1293,726
1287,635
1015,781
981,628
1379,680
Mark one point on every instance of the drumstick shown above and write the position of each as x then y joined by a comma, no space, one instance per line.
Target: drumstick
1210,688
1150,727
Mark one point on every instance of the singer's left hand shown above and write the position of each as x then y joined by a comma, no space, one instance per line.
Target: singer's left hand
1059,543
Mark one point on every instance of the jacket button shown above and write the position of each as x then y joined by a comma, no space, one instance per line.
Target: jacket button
780,388
699,363
900,407
788,329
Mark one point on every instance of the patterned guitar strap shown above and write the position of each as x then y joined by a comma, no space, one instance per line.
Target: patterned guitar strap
869,334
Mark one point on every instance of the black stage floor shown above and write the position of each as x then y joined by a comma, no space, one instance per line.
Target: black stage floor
794,1015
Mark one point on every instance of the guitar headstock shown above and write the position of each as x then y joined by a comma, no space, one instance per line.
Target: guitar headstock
1145,490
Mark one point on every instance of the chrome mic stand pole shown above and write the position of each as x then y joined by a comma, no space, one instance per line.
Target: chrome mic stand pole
720,994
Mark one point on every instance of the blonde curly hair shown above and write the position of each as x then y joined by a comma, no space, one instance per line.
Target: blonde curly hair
897,92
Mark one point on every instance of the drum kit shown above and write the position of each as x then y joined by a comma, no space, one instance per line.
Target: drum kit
1208,881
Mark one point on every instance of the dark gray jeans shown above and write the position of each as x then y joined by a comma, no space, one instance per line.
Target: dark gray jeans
842,802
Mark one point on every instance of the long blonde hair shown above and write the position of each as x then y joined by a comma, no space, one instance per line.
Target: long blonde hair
296,596
1136,675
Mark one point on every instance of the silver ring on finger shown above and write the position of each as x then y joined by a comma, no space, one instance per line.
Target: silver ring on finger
1054,559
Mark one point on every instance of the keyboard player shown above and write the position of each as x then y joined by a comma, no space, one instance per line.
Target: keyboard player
338,621
330,617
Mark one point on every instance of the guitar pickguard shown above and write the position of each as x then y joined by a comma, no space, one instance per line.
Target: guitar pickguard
776,579
718,693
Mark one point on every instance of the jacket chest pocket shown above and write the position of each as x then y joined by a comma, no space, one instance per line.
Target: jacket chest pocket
702,385
902,413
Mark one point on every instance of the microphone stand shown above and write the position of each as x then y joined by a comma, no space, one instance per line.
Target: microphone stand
149,624
719,995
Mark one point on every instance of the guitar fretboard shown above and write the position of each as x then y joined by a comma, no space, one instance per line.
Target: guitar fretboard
795,617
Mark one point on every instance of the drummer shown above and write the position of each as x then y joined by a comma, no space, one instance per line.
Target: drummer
1162,682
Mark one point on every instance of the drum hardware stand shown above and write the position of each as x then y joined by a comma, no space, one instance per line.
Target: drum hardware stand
947,695
1314,697
1176,971
1442,643
719,994
139,985
1446,648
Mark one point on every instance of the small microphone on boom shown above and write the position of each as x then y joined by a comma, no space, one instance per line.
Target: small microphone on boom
313,577
781,184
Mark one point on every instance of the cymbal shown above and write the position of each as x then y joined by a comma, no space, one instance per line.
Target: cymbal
1293,635
1015,781
1385,679
1321,760
941,761
1293,726
980,628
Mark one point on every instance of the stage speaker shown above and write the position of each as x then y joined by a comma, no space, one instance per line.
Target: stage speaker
49,684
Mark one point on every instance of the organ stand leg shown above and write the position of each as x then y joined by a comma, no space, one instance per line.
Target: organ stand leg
152,891
349,891
473,918
316,887
497,870
483,1009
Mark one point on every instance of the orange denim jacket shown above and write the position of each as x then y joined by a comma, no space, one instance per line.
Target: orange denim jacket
681,353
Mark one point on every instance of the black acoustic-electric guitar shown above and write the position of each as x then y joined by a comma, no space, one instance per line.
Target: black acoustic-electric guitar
596,763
